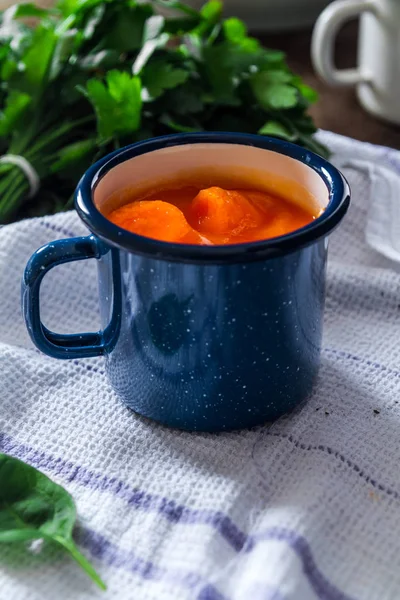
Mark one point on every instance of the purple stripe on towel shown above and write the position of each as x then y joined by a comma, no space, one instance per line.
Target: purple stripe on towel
169,509
58,229
323,588
239,540
258,591
209,592
339,456
112,555
371,363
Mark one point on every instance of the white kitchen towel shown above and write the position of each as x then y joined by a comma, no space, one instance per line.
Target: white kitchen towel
306,508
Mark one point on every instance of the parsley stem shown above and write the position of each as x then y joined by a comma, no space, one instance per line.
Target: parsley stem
48,138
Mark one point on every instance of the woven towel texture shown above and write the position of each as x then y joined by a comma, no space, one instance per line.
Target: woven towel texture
306,508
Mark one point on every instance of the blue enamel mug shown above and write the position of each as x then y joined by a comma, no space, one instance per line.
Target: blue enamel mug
205,338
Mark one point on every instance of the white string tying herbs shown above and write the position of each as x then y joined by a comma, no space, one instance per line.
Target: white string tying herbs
28,170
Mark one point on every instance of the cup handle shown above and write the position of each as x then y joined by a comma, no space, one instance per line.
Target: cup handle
45,258
323,41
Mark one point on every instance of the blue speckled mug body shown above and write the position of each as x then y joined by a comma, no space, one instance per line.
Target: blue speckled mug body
199,338
216,347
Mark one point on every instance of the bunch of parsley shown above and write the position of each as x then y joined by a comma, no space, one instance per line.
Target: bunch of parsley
93,75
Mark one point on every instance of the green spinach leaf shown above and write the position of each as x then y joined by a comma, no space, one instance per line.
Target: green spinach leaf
34,507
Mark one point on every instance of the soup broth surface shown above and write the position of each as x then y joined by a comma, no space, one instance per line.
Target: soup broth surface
214,215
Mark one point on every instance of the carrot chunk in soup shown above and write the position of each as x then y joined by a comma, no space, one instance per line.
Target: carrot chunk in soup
224,211
156,219
210,215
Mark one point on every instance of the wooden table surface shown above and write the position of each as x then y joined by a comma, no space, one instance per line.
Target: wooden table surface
337,109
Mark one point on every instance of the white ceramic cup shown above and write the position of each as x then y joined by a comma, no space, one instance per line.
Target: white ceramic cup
377,75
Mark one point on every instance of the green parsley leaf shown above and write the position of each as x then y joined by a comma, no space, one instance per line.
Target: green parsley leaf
15,106
37,60
272,90
185,99
160,76
307,92
146,69
125,29
276,129
29,10
117,103
212,11
234,30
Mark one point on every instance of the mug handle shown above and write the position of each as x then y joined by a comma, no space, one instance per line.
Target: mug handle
45,258
323,41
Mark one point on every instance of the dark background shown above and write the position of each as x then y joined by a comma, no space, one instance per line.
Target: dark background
337,109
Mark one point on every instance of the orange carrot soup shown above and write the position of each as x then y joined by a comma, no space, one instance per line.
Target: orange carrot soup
192,214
